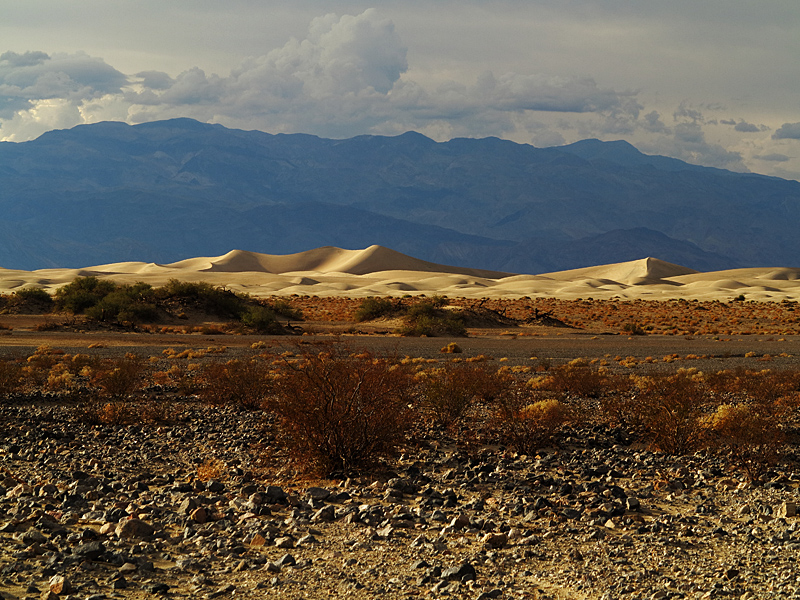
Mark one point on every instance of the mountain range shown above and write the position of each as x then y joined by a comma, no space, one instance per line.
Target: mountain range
168,190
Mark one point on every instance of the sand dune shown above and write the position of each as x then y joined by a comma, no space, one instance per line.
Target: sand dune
377,270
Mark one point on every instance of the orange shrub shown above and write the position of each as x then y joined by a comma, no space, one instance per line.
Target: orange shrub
750,434
118,378
338,412
671,409
243,383
448,392
525,423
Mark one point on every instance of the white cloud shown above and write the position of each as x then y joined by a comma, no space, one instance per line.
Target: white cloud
349,75
33,84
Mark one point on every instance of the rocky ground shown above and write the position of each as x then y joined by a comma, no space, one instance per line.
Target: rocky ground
204,507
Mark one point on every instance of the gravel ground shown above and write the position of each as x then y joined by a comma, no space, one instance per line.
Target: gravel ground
202,508
206,507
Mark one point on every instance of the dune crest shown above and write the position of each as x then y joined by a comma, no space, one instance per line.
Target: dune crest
380,271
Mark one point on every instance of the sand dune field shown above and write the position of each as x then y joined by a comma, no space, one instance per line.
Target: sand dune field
379,271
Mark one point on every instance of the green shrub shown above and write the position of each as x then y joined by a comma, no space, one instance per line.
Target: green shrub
429,319
127,303
339,411
282,308
262,319
373,308
206,297
83,293
31,296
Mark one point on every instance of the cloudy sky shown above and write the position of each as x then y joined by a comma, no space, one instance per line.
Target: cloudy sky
713,82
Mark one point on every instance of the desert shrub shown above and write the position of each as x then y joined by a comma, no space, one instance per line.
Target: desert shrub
205,296
581,379
751,435
340,411
671,410
525,423
428,318
243,383
448,392
31,298
282,308
127,303
83,293
767,386
451,348
119,378
10,377
374,308
633,329
182,379
124,412
262,319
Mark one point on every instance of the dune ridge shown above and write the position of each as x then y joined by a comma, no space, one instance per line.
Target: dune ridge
380,271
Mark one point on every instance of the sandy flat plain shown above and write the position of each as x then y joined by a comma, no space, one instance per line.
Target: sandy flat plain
379,271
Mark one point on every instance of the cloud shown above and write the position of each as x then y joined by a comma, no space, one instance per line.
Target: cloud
27,79
349,75
788,131
775,157
653,123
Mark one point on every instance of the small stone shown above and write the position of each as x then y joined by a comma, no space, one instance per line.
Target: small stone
284,542
459,573
187,506
786,509
32,536
90,550
495,540
287,560
317,493
199,515
59,585
324,514
258,540
460,522
156,588
134,528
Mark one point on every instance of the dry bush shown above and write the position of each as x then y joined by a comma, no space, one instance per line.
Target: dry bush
119,378
180,378
580,379
525,423
338,411
448,392
767,386
124,412
212,468
750,433
10,377
671,411
243,383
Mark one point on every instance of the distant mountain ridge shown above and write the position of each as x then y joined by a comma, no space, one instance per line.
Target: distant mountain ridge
168,190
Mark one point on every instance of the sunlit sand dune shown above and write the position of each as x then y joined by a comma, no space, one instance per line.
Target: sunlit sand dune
380,271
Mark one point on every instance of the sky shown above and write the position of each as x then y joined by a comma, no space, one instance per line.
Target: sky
711,82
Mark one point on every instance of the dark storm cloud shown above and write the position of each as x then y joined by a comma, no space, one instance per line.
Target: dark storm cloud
788,131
